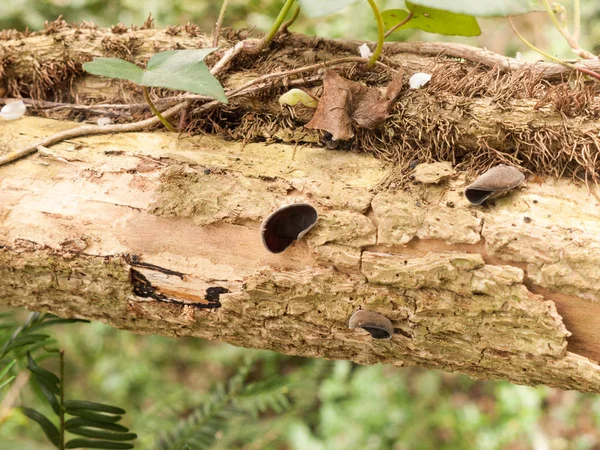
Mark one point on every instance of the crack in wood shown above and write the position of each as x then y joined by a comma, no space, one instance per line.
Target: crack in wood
143,288
135,260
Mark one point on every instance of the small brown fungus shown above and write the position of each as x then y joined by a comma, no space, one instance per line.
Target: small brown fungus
378,326
495,182
286,225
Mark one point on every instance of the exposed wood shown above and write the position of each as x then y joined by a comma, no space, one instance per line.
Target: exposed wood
502,291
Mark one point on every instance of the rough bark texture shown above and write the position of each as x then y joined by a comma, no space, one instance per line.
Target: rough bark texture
483,109
502,291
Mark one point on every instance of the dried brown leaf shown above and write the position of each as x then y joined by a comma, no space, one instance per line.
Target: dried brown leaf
345,102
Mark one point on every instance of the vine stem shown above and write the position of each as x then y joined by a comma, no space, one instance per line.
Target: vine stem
380,34
217,30
398,25
571,39
553,58
289,23
555,21
278,21
155,111
61,358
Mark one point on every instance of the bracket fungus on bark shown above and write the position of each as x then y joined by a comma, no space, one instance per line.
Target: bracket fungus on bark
289,223
494,183
378,326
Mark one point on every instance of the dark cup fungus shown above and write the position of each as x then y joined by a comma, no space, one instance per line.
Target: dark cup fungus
286,225
495,182
378,326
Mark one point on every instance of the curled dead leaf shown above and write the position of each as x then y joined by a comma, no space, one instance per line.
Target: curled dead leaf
345,102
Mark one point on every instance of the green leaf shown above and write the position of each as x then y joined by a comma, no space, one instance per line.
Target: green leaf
432,20
103,434
53,320
43,376
21,341
4,371
48,382
49,428
76,422
315,8
174,69
7,381
88,443
50,397
183,70
114,68
74,405
483,8
95,416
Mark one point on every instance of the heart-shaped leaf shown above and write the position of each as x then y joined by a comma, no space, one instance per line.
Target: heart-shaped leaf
483,8
432,20
183,70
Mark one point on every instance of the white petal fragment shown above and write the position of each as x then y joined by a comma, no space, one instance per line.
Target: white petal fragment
419,79
365,51
13,110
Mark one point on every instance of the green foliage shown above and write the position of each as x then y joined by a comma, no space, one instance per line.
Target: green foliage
332,405
5,379
25,339
95,421
174,69
225,403
432,20
50,430
485,8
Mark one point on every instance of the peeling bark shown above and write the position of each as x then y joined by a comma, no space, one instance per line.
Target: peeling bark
142,231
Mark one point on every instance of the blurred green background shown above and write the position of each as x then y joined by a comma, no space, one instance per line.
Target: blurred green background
305,404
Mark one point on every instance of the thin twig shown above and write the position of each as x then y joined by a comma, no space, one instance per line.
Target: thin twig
96,108
287,73
228,56
88,130
398,25
571,40
217,30
553,58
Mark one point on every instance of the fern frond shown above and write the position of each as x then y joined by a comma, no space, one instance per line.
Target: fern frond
26,339
260,396
200,429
